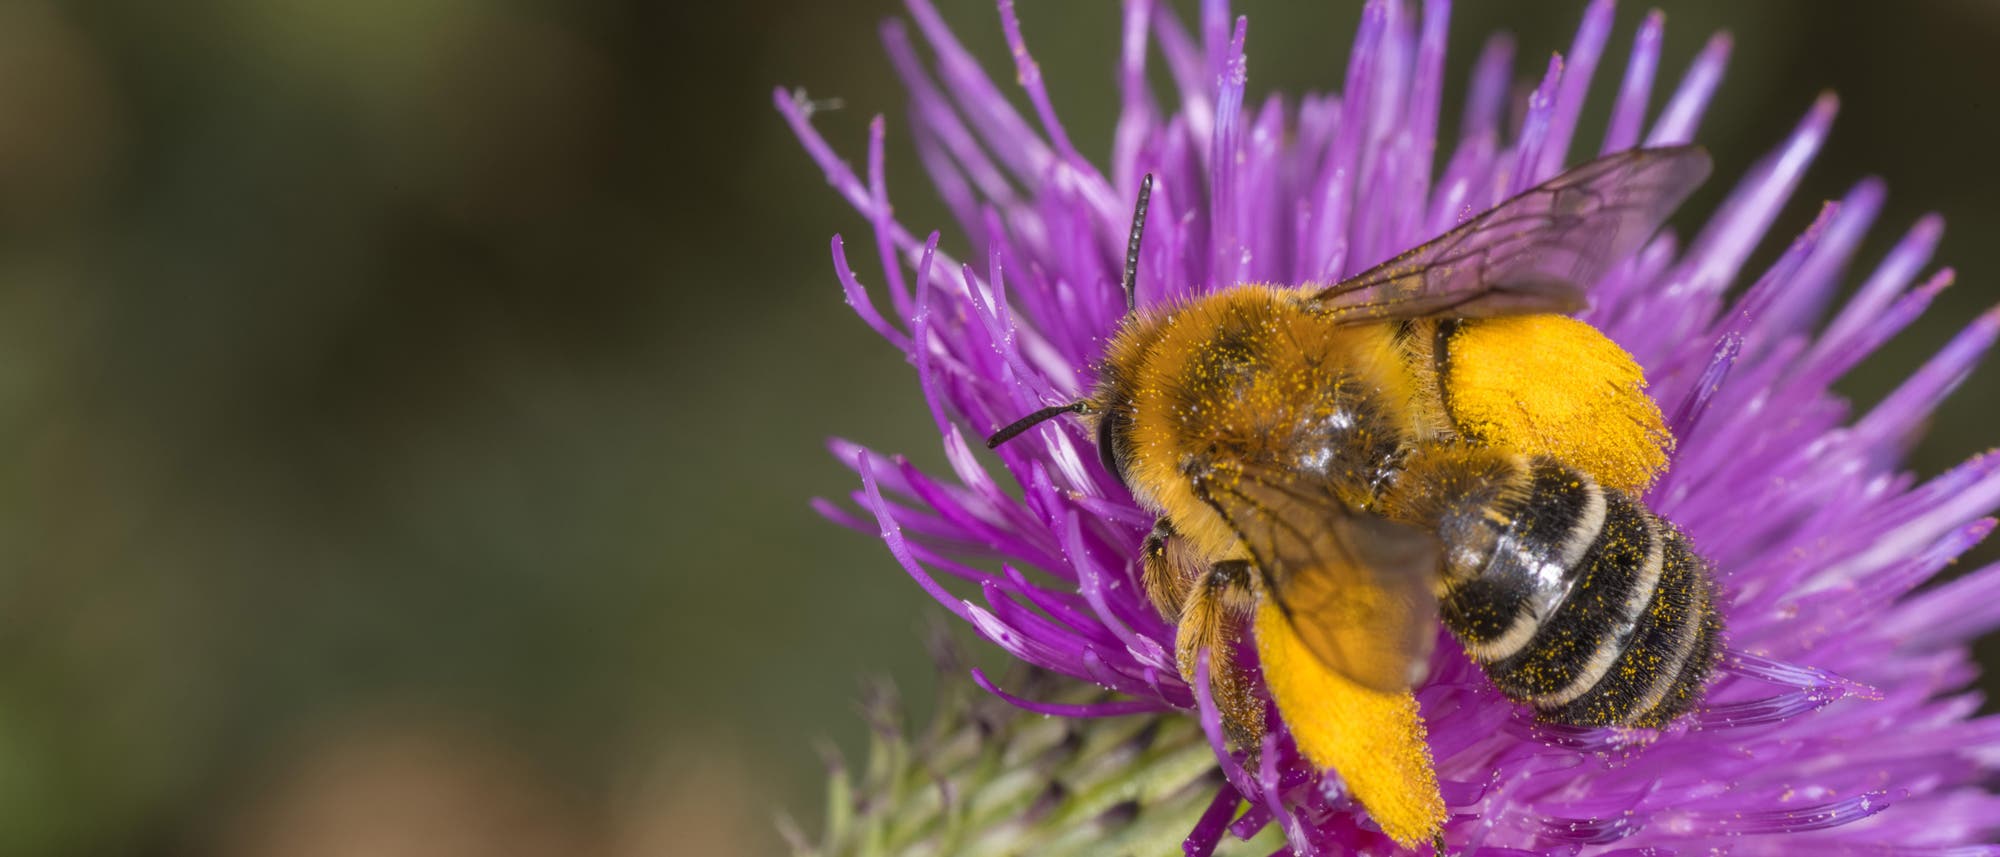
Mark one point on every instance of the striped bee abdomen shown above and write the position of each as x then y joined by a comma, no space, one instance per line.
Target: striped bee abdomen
1574,597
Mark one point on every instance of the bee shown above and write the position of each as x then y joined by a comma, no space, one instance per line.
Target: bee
1338,468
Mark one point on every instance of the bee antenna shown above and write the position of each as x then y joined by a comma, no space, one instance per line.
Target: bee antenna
1132,245
1015,428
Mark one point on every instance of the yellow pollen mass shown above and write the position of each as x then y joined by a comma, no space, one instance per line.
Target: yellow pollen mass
1552,385
1375,740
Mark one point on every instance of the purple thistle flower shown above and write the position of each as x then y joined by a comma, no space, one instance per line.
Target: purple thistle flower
1839,721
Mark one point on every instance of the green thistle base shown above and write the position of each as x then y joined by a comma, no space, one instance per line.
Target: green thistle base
987,779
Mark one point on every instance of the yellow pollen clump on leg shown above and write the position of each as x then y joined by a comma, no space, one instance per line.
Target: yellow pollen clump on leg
1552,385
1375,740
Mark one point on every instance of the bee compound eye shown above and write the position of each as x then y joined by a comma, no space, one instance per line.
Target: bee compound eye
1109,427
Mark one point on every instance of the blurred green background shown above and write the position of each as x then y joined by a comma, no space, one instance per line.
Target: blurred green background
415,402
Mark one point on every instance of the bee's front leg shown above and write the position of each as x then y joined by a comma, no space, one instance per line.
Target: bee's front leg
1215,611
1167,571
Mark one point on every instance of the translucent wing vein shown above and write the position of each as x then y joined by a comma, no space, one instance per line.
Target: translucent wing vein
1536,253
1357,589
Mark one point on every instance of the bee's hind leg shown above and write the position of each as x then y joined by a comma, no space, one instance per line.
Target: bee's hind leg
1211,620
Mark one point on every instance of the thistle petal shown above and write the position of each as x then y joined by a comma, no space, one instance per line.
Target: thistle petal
1836,724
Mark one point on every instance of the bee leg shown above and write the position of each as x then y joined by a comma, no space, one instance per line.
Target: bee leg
1167,573
1212,620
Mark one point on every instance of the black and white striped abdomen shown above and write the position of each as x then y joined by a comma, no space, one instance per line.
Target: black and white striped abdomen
1578,600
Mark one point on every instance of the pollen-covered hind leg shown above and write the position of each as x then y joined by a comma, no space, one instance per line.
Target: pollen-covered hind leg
1167,571
1212,619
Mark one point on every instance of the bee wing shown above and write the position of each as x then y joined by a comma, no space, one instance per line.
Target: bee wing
1535,253
1357,589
